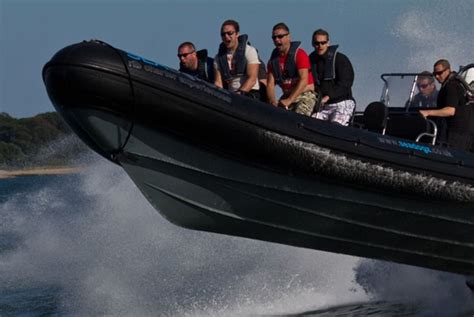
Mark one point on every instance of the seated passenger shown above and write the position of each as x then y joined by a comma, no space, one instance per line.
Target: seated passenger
237,63
334,76
195,63
289,68
427,92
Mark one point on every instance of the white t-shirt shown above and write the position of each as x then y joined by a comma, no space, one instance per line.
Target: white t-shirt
237,81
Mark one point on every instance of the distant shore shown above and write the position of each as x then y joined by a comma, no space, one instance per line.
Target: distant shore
39,171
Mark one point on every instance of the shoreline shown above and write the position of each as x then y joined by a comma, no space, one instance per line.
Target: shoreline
37,171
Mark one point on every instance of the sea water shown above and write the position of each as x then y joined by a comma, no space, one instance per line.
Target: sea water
90,244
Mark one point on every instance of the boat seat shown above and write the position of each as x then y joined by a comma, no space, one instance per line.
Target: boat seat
375,117
412,126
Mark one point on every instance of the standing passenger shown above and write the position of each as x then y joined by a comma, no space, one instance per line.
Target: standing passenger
237,63
452,106
289,68
334,76
195,63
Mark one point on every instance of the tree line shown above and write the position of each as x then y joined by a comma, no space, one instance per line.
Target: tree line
42,140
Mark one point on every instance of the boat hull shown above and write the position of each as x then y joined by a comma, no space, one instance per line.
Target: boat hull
208,160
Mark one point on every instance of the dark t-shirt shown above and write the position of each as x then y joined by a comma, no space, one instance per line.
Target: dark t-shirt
452,94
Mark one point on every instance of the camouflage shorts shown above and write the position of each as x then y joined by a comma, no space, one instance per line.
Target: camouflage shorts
340,112
304,103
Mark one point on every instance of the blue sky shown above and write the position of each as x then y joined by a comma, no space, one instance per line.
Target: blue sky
377,35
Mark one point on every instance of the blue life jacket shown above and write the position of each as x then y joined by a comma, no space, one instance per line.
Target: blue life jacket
239,63
289,71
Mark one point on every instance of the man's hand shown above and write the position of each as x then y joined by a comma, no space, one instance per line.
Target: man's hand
284,103
424,113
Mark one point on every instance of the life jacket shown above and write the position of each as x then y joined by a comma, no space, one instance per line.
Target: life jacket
289,70
204,70
330,65
203,67
239,63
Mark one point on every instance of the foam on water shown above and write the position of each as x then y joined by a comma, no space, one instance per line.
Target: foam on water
110,252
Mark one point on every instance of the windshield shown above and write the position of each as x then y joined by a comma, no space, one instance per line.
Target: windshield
409,92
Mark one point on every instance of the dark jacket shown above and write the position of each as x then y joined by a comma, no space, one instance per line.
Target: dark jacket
205,70
333,74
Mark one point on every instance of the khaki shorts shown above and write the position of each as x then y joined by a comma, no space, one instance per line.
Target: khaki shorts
304,103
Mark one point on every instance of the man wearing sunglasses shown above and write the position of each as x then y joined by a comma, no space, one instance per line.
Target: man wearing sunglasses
452,105
195,63
237,63
289,68
333,75
427,92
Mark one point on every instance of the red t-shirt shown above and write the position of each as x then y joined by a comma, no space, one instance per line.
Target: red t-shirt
302,62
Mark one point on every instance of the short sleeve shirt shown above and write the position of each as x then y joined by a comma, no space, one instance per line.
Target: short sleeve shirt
236,82
302,62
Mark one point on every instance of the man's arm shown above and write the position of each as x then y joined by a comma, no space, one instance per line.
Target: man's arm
217,77
447,111
252,74
271,88
298,89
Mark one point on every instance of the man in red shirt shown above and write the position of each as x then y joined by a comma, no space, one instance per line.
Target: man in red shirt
288,68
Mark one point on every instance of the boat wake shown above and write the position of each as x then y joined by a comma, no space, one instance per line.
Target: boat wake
94,245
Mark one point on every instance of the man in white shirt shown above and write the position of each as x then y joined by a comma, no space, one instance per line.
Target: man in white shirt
237,63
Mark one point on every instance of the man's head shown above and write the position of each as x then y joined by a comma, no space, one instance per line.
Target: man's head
230,34
187,56
320,41
425,83
441,70
281,37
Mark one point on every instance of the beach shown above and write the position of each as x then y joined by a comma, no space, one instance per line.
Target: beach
39,171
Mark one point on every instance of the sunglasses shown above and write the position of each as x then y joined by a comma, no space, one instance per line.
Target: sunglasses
230,33
185,54
423,86
316,43
279,36
439,72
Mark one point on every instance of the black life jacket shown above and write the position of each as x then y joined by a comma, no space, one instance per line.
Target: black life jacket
239,63
289,71
330,65
203,70
203,67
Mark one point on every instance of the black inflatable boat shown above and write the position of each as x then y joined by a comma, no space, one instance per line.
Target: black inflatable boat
210,160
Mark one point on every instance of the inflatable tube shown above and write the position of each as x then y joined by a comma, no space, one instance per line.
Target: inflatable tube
215,161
